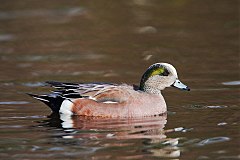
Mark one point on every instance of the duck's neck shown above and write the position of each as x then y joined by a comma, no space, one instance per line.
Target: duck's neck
149,86
151,90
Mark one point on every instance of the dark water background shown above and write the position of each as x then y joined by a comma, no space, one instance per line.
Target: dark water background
115,41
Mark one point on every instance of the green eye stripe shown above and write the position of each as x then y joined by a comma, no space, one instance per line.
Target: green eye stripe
158,71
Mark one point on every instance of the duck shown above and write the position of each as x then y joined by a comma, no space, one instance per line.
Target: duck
114,100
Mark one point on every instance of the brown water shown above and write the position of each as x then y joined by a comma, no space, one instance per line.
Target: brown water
86,41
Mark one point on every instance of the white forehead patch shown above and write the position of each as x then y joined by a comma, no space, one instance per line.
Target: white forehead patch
168,66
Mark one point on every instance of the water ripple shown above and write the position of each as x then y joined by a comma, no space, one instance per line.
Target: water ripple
181,129
54,57
222,124
6,37
75,11
214,107
11,126
232,83
199,106
36,84
212,140
13,102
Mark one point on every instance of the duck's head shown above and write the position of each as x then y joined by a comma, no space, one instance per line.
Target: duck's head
159,76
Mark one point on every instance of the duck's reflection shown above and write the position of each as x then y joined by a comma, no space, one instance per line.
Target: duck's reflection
149,131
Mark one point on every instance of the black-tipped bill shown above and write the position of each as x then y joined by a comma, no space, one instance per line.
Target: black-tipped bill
178,84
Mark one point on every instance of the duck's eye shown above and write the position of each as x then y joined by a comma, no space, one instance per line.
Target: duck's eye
165,73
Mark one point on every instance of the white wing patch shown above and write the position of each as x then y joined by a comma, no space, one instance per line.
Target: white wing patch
110,102
92,98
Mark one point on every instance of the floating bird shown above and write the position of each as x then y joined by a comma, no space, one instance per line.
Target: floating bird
114,100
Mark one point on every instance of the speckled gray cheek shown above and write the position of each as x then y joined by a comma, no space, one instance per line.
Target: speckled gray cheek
152,85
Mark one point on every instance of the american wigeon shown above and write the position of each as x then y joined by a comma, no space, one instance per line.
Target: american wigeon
115,100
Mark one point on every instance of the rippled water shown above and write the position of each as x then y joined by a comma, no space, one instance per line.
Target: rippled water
107,41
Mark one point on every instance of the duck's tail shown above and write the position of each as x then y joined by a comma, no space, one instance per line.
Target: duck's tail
53,100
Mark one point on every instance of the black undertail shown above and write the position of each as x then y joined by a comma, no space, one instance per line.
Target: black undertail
54,100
